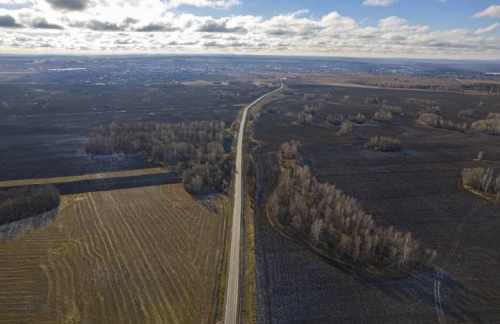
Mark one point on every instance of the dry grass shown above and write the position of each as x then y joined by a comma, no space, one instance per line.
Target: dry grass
144,255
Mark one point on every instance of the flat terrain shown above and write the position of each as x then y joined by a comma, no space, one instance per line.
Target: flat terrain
417,190
140,255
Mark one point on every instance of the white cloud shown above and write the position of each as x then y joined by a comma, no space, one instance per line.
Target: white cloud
488,29
492,11
379,3
220,4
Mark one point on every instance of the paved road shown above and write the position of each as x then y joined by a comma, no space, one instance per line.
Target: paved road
231,301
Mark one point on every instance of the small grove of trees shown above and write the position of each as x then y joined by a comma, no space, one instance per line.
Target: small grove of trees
487,126
309,96
372,100
438,122
482,179
313,110
330,221
304,118
345,129
424,102
197,148
336,119
392,109
290,150
357,119
382,116
25,202
493,116
273,110
431,110
466,113
231,95
346,98
385,144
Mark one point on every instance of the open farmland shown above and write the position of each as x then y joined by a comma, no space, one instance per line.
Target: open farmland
138,255
417,190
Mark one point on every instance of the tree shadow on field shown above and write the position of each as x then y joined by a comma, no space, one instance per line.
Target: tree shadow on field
10,230
448,296
208,201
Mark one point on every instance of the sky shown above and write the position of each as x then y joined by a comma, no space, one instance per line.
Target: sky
457,29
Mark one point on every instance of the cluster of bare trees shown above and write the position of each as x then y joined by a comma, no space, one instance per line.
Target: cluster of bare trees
487,126
336,224
309,96
336,119
466,113
482,179
372,100
382,116
196,147
385,144
304,118
346,98
438,122
231,95
357,119
345,129
25,202
312,110
424,102
290,150
493,116
431,110
392,109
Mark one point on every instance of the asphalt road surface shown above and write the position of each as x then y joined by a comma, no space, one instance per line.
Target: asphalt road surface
231,301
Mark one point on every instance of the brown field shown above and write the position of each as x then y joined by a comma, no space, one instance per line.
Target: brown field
141,255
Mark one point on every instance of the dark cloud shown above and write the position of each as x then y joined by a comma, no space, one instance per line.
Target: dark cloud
9,22
43,24
69,5
156,28
98,25
212,44
130,21
212,26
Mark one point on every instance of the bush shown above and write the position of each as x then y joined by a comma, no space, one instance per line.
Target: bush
25,202
466,113
336,119
482,179
372,100
336,224
438,122
345,129
357,119
347,98
493,116
385,144
487,126
382,116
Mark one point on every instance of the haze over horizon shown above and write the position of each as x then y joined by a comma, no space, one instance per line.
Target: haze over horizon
362,28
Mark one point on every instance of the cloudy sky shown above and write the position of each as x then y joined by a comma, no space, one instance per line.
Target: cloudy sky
367,28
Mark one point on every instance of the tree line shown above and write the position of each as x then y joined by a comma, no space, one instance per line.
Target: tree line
196,148
324,217
25,202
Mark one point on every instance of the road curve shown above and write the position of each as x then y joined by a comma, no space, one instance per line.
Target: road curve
232,298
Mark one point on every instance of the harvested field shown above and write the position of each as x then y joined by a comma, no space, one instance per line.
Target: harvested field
417,190
140,255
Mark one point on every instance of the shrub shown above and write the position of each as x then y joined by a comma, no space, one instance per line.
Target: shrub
309,96
466,113
438,122
480,156
493,116
345,129
482,179
424,102
25,202
372,100
382,116
336,119
392,109
385,144
357,119
487,126
347,98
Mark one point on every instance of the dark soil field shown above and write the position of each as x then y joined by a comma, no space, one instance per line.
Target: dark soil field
42,142
417,190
